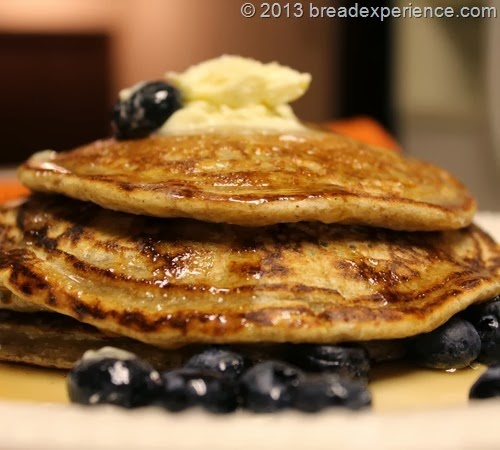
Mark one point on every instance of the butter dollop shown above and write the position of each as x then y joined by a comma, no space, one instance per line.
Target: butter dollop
236,92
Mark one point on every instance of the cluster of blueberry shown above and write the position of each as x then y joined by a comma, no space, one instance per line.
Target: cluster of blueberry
473,335
310,377
486,320
221,381
146,109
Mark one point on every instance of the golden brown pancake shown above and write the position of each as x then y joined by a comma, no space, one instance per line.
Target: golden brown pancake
256,179
53,340
176,282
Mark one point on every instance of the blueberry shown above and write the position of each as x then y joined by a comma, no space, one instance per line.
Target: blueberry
474,312
453,345
147,108
492,306
485,318
225,362
317,392
185,388
351,361
269,386
107,380
488,329
488,384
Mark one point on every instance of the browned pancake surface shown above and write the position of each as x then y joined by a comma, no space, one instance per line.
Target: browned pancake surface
175,282
257,179
53,340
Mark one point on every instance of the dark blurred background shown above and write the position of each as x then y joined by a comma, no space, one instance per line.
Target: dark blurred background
426,80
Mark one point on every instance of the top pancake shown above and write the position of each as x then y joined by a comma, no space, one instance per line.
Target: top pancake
256,179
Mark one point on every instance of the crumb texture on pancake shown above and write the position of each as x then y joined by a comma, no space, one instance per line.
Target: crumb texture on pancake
256,179
180,281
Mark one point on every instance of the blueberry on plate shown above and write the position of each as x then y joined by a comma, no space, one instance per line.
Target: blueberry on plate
225,362
487,385
146,109
269,386
320,391
185,388
485,317
345,360
112,376
453,345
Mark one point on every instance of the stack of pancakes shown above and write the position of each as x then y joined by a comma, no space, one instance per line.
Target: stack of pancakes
162,244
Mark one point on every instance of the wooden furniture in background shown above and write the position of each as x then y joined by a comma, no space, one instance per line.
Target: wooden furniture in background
54,91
